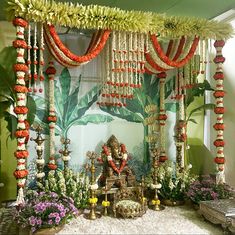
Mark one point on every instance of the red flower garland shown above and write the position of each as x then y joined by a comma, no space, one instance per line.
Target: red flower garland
219,110
219,160
20,89
166,59
20,22
219,126
20,67
21,154
219,143
162,117
52,118
163,158
52,166
219,76
21,110
19,43
20,174
21,133
219,93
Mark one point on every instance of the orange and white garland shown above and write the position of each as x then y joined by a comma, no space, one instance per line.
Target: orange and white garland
123,151
22,132
35,72
219,111
157,60
64,56
51,71
124,62
162,117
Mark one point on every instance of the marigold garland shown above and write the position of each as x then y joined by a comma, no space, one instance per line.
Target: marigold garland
21,154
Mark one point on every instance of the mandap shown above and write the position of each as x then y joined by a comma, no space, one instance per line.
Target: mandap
130,43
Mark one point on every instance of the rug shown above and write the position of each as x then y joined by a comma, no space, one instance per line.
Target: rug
171,220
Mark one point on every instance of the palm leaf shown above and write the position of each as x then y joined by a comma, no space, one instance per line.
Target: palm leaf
123,113
202,107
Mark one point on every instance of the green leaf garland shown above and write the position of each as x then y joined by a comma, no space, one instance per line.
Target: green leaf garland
100,17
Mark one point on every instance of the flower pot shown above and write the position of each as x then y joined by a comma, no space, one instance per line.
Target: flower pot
42,231
169,202
49,231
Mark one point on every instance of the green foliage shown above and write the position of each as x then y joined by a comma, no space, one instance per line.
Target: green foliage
174,180
74,185
70,110
7,94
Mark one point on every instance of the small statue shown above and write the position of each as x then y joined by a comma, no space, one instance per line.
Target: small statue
114,157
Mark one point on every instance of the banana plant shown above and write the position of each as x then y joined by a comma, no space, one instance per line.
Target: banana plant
7,94
70,110
134,110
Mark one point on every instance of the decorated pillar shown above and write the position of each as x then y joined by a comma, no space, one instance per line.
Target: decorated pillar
51,71
219,111
162,117
22,132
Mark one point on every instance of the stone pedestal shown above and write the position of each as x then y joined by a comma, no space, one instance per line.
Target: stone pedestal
220,212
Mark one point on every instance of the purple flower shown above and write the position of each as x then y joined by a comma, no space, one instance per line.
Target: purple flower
54,195
50,221
32,220
57,220
39,221
62,214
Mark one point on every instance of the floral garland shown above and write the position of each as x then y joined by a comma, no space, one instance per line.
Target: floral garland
64,56
219,111
51,71
22,132
107,153
166,59
162,116
101,17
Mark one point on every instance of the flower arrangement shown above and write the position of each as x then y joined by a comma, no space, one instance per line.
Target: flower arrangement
174,181
74,185
206,189
44,210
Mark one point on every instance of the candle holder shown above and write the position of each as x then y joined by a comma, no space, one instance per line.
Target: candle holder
93,199
65,153
39,148
156,203
105,203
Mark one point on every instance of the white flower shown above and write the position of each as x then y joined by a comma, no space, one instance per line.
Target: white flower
155,186
66,158
190,166
40,161
93,186
39,147
40,175
171,184
169,169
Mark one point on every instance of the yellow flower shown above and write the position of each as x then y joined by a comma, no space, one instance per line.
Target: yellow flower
156,202
105,203
144,199
93,200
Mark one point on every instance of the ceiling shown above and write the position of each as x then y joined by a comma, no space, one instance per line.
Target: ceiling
198,8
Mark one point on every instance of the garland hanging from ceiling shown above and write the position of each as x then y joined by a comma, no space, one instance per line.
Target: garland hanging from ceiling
100,17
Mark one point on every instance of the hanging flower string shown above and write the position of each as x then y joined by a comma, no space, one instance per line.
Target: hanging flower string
22,132
51,71
162,117
166,59
219,111
41,59
64,56
125,69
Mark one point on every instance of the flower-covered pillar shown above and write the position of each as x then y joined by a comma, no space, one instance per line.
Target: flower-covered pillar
219,111
20,108
51,71
162,117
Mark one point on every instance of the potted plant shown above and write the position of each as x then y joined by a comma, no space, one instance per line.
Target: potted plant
44,213
174,182
206,188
